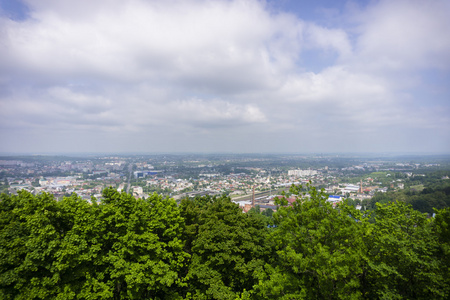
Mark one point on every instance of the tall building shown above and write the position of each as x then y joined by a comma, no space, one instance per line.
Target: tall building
302,173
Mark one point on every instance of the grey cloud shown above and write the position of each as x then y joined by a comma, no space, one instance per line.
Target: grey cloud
158,73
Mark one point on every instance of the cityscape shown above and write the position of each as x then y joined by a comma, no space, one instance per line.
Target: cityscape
249,180
224,149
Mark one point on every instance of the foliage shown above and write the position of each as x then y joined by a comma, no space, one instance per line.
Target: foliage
227,247
436,195
402,256
319,251
120,247
336,253
441,229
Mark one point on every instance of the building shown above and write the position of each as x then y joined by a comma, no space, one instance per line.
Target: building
145,173
334,199
138,191
351,188
302,173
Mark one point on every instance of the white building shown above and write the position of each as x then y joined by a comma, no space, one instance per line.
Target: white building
138,190
350,188
302,173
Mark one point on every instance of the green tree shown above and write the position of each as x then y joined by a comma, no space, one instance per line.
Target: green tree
441,229
31,228
402,261
319,250
227,246
267,212
142,250
120,248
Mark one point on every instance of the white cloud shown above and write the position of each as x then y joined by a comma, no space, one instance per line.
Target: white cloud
335,84
229,71
405,35
216,113
329,39
189,41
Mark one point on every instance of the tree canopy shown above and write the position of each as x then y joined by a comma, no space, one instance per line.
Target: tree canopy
119,247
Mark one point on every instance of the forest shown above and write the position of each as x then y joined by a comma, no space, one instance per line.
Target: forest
425,194
206,248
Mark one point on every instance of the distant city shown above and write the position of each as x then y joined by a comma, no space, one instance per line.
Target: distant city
248,179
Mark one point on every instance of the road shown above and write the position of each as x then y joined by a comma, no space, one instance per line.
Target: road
130,168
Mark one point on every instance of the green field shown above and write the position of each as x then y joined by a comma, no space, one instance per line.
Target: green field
418,187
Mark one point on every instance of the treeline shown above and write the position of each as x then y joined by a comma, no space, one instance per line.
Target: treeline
435,195
206,248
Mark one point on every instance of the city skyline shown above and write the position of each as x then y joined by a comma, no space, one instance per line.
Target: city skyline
242,76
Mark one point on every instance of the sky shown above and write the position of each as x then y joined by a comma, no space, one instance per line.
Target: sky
241,76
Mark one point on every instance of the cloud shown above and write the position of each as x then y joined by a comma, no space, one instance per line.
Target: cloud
57,108
227,72
405,35
329,39
216,113
186,41
335,84
81,103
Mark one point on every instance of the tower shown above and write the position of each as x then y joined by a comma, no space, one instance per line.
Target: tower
360,187
253,197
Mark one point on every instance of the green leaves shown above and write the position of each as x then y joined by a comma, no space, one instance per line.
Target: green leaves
319,250
31,228
402,252
143,251
227,248
326,252
121,248
127,248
